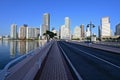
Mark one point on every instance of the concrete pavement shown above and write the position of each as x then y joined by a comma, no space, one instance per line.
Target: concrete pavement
55,67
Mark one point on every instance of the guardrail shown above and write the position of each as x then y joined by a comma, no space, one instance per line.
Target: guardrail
8,72
4,72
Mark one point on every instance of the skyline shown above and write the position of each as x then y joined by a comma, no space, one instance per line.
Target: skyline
79,12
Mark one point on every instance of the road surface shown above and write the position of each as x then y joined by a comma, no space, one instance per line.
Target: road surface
92,64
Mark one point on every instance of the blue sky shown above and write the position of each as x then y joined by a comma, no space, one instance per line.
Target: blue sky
79,11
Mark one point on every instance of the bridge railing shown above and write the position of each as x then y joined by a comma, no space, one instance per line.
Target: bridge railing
4,72
28,66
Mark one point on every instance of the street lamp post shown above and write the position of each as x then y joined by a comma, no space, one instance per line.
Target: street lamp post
91,26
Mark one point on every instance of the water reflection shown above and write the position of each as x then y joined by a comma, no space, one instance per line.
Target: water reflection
13,48
1,42
22,47
6,43
29,46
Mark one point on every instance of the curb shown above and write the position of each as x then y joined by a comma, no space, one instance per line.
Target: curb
70,64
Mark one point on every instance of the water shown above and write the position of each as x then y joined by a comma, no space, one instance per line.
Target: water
10,50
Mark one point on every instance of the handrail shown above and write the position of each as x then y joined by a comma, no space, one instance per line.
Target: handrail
4,72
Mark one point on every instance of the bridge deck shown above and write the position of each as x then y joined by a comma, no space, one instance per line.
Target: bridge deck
54,68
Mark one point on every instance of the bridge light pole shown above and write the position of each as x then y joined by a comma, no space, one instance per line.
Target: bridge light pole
91,26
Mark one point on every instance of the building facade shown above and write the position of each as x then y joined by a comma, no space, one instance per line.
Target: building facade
22,32
82,31
37,32
67,28
30,33
105,27
117,29
67,22
87,34
62,32
13,34
46,23
77,33
99,31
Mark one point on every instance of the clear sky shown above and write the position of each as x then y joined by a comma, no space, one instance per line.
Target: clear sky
79,11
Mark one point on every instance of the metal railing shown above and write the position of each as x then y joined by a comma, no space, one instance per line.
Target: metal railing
4,72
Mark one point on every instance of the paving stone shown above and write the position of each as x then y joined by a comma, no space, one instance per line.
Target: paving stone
54,68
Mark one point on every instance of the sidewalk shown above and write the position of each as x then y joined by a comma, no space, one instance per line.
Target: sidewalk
54,68
102,47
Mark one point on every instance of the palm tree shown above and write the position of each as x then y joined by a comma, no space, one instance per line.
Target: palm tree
49,35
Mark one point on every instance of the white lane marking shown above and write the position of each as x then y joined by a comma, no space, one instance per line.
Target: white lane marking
77,74
96,57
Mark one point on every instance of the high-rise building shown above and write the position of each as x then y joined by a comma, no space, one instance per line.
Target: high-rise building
67,26
46,23
87,34
30,33
117,29
77,33
13,31
43,29
65,30
62,32
37,32
67,22
82,31
99,31
22,32
105,27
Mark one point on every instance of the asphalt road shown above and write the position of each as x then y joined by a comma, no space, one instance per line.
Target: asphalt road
92,64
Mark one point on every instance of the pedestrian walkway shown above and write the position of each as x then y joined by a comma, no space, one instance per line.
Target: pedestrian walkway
102,47
54,68
26,66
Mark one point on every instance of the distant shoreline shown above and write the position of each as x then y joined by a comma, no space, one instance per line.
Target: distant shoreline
23,40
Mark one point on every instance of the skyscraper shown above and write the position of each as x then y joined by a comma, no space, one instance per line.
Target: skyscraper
13,31
67,22
62,32
105,27
46,23
87,34
23,32
117,29
65,30
30,33
99,31
82,31
67,26
37,32
77,33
